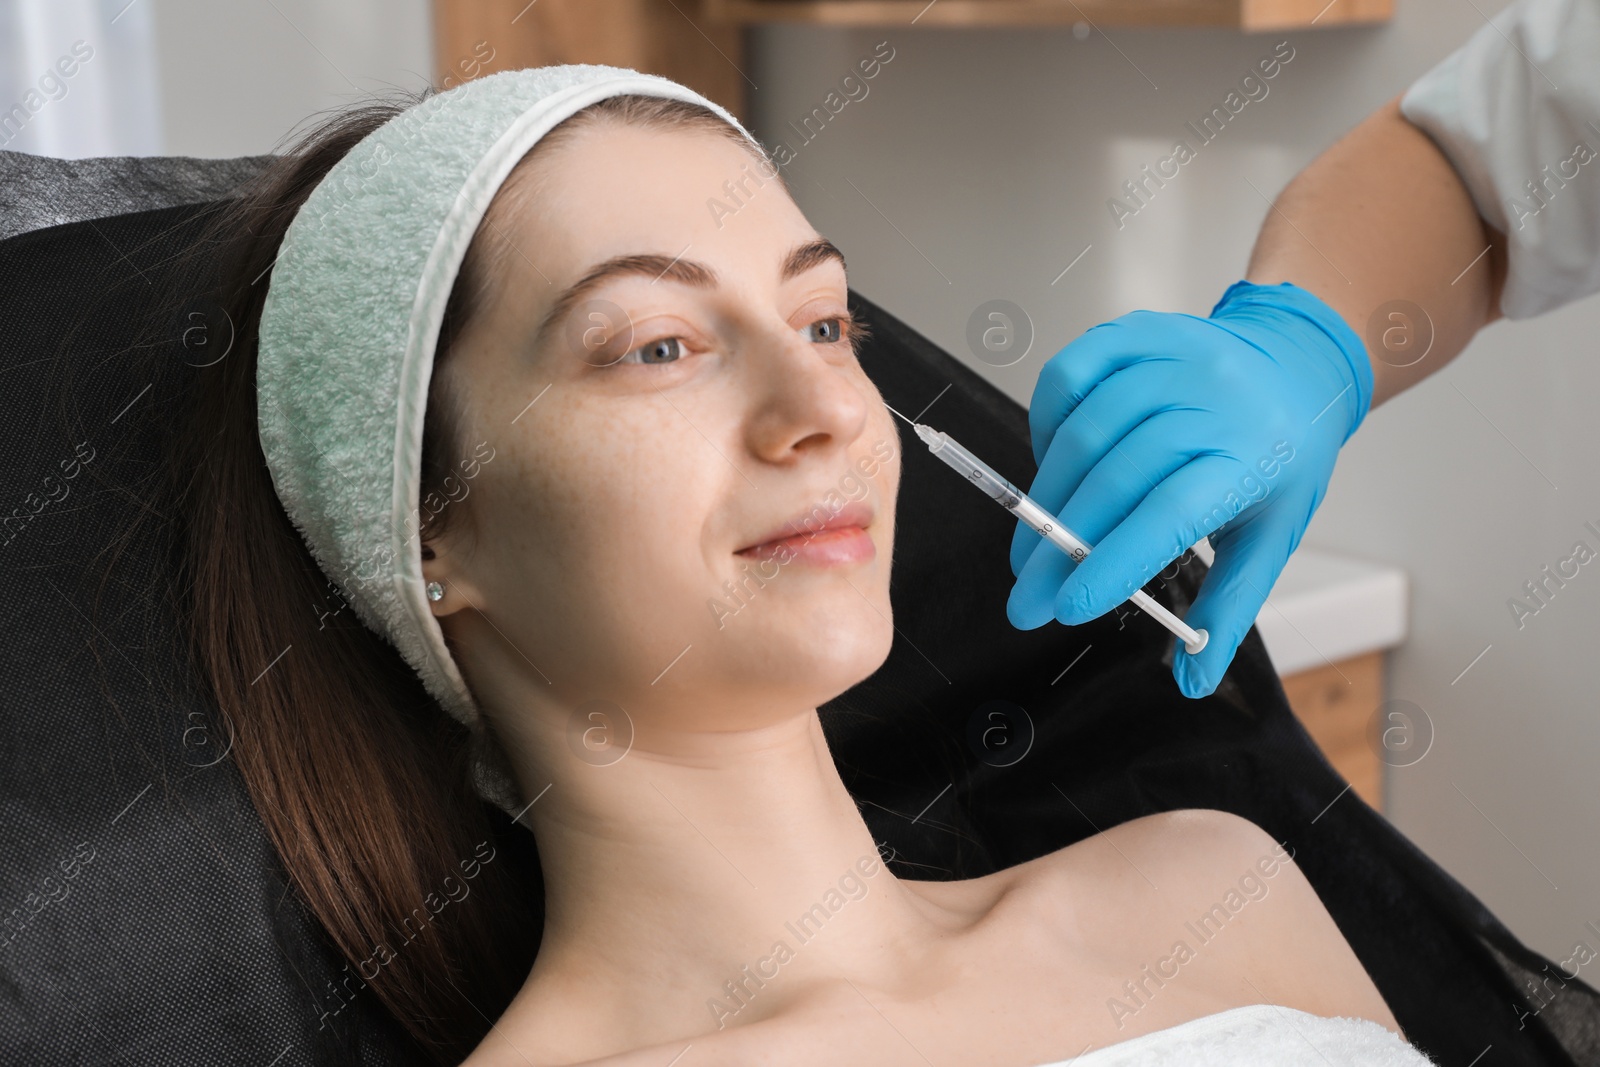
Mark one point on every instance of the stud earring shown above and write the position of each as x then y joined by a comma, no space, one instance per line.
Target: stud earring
435,591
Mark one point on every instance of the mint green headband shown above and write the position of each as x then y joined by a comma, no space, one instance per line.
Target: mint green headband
347,338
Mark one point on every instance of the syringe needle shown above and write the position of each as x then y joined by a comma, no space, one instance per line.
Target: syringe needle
898,413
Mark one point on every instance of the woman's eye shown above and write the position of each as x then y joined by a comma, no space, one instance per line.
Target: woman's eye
665,350
827,330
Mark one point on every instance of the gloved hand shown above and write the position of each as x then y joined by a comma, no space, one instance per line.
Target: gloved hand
1154,430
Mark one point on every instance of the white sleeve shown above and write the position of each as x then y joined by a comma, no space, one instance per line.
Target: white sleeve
1516,110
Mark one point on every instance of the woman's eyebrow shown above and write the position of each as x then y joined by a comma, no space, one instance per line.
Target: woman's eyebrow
800,259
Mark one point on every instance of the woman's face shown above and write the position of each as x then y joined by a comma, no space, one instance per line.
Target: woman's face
696,400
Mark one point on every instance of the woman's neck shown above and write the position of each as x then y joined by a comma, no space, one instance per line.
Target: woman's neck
703,880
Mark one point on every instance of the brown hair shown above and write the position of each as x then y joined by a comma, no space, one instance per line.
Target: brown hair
361,779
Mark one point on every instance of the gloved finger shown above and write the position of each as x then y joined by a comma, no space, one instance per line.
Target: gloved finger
1032,600
1137,465
1023,542
1089,438
1070,375
1110,492
1247,566
1174,515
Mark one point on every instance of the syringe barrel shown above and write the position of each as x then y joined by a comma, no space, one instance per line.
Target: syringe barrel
1009,496
975,470
1043,523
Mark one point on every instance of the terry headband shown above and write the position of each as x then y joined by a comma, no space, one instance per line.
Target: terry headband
347,335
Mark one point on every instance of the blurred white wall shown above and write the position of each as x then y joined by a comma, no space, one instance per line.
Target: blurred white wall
78,78
199,77
979,165
238,75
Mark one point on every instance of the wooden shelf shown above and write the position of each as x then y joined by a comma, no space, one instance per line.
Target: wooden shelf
701,42
1249,15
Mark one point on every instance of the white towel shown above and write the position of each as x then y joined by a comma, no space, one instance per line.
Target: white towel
1259,1035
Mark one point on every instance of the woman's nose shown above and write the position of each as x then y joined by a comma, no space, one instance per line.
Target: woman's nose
803,396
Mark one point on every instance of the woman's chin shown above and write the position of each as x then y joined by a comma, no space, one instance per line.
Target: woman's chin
832,650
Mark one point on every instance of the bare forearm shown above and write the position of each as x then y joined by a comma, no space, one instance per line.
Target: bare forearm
1379,218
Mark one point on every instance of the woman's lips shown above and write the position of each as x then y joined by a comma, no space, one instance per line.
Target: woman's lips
837,545
841,538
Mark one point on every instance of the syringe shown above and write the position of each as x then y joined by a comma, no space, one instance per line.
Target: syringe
1040,521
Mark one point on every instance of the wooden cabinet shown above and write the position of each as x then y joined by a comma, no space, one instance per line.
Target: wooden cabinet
1336,703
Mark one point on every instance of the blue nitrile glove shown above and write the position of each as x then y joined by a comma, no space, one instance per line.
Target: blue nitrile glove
1154,430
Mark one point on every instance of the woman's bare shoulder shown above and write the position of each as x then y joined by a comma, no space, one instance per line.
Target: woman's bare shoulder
1179,841
1187,845
1215,887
